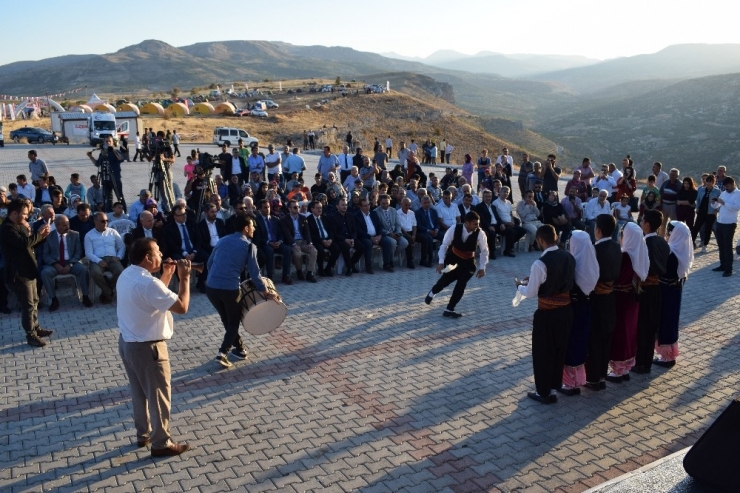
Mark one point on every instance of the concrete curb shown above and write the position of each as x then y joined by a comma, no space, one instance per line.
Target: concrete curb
642,470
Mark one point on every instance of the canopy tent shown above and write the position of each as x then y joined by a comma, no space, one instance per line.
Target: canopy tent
104,108
202,109
82,108
225,108
177,109
95,100
152,109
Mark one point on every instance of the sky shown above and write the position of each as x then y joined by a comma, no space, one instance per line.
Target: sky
592,28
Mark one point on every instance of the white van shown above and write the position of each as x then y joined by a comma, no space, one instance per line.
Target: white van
230,136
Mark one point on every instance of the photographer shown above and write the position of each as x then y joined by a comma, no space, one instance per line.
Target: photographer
160,151
108,163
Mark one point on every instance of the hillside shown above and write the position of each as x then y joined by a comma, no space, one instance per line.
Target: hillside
692,125
675,62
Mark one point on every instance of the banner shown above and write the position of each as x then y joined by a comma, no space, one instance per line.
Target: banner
57,95
81,129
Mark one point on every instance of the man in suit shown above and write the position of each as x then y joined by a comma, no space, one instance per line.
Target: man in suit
209,230
391,228
345,235
466,205
233,165
298,237
178,240
268,236
490,222
322,237
61,255
82,223
147,228
427,226
370,233
21,270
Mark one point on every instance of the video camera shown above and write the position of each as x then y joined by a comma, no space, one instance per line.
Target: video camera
157,148
206,162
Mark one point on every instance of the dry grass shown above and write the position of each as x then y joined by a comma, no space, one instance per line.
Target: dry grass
401,116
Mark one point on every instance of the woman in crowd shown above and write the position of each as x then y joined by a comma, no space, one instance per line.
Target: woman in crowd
554,213
467,168
634,269
671,286
650,203
705,215
686,202
587,275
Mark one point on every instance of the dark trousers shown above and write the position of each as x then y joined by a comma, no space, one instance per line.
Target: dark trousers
351,260
226,303
343,175
550,331
648,322
176,147
603,319
332,251
460,276
269,254
512,234
425,243
3,292
706,220
724,234
114,186
138,154
28,298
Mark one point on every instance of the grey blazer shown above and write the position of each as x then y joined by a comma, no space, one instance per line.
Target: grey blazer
50,252
395,226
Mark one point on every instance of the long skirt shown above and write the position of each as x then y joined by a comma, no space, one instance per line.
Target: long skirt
666,344
624,340
574,370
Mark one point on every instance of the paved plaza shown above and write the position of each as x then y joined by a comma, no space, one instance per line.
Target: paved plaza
363,388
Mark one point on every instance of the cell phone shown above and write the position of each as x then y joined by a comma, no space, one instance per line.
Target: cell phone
48,222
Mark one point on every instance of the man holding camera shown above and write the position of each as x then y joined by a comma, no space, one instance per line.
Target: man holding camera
108,163
160,151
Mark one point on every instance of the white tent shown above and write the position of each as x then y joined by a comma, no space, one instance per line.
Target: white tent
95,100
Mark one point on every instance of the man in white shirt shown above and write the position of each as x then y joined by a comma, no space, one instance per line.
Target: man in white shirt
26,189
104,248
449,214
727,205
529,214
388,145
272,164
596,208
511,231
660,175
615,175
604,181
403,154
145,323
406,220
345,163
506,161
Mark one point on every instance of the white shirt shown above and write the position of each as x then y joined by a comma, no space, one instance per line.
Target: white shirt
143,306
407,220
537,276
482,245
148,233
660,178
369,224
604,184
105,244
212,231
503,207
616,175
593,208
727,214
272,162
345,161
27,190
388,143
447,214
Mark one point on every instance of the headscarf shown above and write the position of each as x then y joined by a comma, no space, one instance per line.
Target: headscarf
681,246
633,244
587,267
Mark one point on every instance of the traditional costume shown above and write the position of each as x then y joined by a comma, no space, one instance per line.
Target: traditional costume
648,319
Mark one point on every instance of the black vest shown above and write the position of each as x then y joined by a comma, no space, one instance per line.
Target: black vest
609,257
561,273
467,245
658,251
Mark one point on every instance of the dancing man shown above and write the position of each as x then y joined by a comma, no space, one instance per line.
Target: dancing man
457,252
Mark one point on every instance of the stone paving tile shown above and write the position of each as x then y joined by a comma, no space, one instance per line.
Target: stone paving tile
351,393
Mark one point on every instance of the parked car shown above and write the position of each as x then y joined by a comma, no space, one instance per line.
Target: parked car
31,134
242,112
259,113
271,104
230,136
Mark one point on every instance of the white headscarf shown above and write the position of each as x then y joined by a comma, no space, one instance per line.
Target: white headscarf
682,247
587,267
633,244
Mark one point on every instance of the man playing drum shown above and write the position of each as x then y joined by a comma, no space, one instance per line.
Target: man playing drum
231,255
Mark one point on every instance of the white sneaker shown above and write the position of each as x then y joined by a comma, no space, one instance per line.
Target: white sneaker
223,360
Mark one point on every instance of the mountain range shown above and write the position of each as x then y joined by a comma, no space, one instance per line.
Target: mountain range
678,104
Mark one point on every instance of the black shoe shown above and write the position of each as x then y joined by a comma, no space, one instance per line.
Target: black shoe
626,377
6,310
310,278
300,276
410,265
602,385
54,306
240,353
428,299
451,314
287,280
348,272
594,386
640,370
425,263
87,301
718,269
322,273
329,272
369,270
544,399
388,268
727,274
614,378
44,332
509,254
570,392
664,364
223,360
35,341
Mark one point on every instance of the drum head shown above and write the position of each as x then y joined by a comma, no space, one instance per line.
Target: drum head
264,317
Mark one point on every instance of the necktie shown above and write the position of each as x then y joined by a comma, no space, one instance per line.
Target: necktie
186,238
268,229
388,220
61,251
321,228
429,218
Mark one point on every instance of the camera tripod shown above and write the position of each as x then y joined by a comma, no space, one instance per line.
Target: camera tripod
160,185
